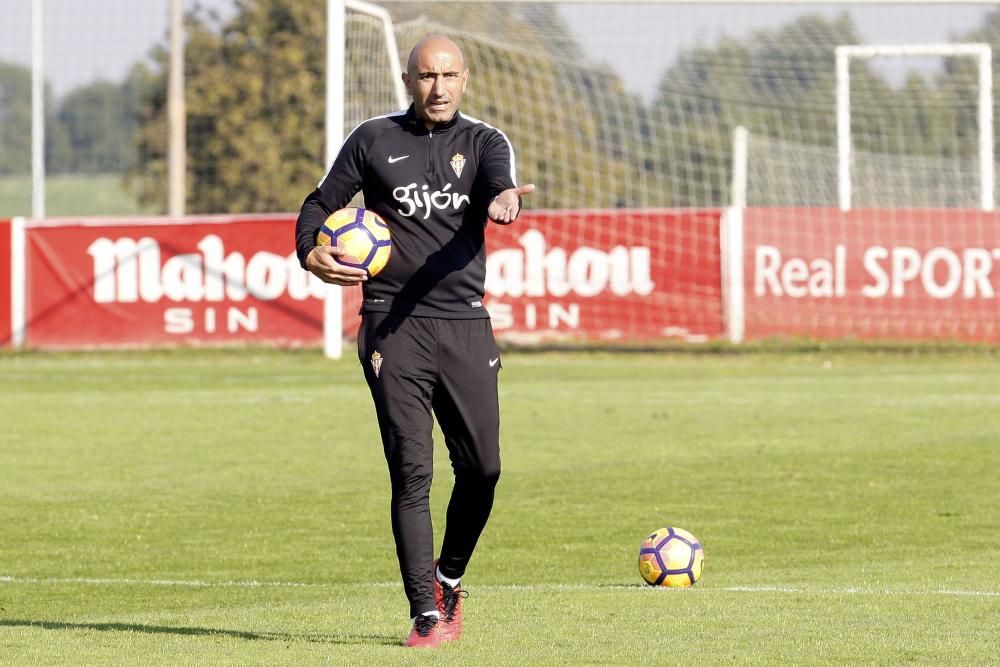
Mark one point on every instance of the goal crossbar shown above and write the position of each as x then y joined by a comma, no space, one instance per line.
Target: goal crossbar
982,53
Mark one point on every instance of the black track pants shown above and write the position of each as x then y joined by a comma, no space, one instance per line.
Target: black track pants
416,367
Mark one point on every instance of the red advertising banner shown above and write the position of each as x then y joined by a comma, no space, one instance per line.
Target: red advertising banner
609,275
5,283
602,275
553,275
872,273
168,281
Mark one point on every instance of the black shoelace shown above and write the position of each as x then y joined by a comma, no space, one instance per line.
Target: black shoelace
425,623
450,597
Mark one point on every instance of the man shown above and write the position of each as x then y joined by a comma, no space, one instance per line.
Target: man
425,343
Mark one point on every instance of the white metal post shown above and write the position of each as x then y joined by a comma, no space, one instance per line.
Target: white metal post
335,71
336,14
733,294
843,129
741,144
18,283
176,115
731,240
37,112
986,127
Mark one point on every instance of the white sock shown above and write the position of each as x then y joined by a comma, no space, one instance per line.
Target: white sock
436,614
451,582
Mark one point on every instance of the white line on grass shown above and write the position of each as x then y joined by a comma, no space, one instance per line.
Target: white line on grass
195,583
188,583
856,591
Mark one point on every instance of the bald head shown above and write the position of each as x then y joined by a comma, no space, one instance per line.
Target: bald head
435,78
432,45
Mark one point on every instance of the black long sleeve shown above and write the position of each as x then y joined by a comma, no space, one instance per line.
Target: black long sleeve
432,188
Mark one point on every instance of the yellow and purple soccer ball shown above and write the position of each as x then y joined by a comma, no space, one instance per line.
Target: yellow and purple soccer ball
671,557
361,234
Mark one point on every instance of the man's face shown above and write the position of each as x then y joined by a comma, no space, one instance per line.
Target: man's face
436,80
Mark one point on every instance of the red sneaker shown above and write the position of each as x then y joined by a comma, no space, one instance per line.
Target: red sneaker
449,604
426,632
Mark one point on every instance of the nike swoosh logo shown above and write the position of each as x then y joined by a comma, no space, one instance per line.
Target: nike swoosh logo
393,159
493,362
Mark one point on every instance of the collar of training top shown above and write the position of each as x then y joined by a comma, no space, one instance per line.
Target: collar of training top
417,124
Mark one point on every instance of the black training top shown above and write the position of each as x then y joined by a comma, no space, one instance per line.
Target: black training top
432,188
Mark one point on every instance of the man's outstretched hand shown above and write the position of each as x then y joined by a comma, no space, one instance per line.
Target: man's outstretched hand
506,205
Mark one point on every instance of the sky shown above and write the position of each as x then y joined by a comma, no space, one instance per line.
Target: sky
101,39
659,34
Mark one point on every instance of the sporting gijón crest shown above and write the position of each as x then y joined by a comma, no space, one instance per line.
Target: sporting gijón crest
458,163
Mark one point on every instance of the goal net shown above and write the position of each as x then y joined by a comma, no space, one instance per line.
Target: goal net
95,64
648,216
634,107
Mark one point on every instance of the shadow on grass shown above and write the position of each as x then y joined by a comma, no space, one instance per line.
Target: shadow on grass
206,632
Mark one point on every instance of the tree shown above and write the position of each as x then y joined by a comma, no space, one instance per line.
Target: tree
960,75
256,101
255,97
15,119
773,81
15,123
100,122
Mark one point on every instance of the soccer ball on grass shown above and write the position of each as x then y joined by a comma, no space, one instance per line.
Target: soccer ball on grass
671,557
361,234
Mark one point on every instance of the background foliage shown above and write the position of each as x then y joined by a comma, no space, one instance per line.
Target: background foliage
255,94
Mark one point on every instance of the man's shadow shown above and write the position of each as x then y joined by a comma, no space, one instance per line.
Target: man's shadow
340,638
466,245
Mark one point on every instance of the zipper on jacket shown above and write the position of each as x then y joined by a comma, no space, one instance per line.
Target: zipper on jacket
430,153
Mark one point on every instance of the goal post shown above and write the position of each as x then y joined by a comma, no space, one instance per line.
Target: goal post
336,86
983,55
18,282
37,111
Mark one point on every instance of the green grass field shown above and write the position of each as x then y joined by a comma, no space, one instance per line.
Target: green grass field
70,195
231,508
